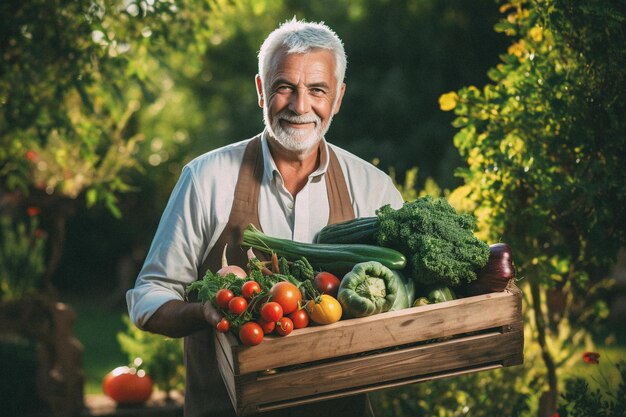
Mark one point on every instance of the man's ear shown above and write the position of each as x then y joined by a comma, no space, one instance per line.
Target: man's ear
259,90
340,93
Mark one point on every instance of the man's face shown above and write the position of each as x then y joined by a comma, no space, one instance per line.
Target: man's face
300,99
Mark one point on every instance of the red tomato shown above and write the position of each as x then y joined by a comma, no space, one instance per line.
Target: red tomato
284,326
326,283
223,326
250,288
222,298
251,334
126,385
271,311
300,319
287,295
267,326
237,305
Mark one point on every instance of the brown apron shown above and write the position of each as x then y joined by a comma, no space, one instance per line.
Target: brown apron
205,393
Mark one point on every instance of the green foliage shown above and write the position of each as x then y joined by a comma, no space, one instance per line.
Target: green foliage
162,357
544,145
69,92
544,142
438,242
484,394
22,250
579,400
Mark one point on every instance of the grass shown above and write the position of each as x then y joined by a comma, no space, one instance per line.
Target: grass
96,327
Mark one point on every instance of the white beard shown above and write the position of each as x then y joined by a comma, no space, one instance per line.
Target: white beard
295,140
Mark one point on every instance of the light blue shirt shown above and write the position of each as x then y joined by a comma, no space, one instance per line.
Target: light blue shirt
200,204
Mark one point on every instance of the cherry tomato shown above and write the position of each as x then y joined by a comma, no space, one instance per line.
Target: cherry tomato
287,295
249,289
251,334
222,298
327,311
300,319
126,385
237,305
223,326
271,311
284,326
267,326
326,283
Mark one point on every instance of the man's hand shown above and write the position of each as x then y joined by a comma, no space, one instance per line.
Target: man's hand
211,315
180,318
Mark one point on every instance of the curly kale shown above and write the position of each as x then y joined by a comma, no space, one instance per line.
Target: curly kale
439,243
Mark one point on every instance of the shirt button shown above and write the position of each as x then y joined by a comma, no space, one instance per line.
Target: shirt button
290,206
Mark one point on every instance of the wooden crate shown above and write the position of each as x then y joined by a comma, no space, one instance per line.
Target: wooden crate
366,354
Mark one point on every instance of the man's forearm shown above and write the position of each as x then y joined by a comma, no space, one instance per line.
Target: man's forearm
179,318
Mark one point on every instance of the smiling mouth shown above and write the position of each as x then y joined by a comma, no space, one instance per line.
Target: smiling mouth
298,125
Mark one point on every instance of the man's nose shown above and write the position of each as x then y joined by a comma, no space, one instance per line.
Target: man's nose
300,103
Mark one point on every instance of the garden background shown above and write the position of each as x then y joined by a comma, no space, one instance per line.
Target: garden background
513,111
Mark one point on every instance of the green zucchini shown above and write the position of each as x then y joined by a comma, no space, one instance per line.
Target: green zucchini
328,257
359,230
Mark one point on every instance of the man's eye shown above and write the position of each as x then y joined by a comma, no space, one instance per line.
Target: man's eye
318,91
283,88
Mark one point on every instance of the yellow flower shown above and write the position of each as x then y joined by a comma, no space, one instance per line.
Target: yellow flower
517,49
448,101
536,34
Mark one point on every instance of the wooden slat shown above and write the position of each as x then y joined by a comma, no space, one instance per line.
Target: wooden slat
362,390
406,326
369,372
226,341
227,373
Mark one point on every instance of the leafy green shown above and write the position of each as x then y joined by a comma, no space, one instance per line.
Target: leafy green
439,243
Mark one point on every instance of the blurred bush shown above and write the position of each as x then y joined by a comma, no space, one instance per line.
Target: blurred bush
161,357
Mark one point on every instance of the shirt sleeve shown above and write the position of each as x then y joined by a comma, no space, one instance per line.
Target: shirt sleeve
392,196
175,254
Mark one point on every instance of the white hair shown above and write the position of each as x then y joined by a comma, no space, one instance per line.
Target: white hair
298,37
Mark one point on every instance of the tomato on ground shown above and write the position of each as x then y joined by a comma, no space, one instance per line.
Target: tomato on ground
300,318
287,295
126,385
251,334
284,326
237,305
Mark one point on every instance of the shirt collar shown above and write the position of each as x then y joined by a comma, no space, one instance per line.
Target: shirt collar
269,166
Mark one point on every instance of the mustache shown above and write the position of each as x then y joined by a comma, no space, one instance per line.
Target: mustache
295,118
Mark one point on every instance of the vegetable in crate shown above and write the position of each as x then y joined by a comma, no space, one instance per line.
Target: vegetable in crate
440,294
326,257
406,292
370,288
326,310
495,276
437,294
439,243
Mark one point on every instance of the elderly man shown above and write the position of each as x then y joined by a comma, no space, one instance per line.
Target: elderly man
287,181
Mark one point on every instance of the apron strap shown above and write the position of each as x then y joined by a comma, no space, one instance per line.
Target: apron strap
340,206
244,211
